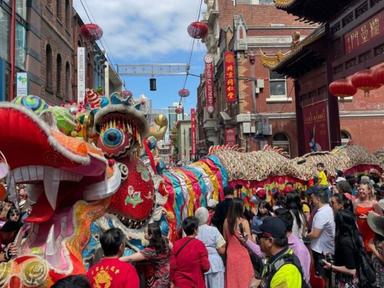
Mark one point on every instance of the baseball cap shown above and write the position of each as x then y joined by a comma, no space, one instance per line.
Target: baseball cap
273,227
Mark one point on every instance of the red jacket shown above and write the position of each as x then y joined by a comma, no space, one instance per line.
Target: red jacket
190,264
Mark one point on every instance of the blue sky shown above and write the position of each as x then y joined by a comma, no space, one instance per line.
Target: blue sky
149,31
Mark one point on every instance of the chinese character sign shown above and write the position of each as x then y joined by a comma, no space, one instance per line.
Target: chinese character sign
209,92
230,136
80,74
229,70
364,33
193,132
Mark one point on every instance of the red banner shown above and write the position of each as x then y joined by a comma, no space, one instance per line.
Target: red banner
209,77
316,135
230,136
193,132
230,81
364,33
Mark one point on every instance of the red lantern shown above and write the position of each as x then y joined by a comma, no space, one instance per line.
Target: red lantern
365,81
183,92
179,109
198,30
91,31
378,74
342,88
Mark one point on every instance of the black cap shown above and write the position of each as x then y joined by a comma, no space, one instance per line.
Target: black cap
272,227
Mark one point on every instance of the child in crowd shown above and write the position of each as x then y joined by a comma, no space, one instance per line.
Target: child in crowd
321,174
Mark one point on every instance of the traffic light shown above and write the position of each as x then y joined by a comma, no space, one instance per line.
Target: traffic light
152,84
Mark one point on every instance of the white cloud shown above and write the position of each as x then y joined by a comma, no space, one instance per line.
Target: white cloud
143,29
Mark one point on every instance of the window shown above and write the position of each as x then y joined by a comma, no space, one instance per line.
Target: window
266,2
20,46
58,75
21,8
67,80
4,34
58,9
48,68
67,14
345,137
277,85
281,140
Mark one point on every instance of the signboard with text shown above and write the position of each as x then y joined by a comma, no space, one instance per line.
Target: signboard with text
21,84
230,136
80,74
316,132
193,132
230,79
364,33
209,78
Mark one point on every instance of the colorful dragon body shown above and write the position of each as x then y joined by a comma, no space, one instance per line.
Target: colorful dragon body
83,171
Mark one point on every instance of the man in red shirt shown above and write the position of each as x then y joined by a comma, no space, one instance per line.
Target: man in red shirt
189,258
110,272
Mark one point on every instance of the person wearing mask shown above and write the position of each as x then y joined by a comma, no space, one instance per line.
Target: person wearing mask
347,245
283,268
322,235
222,209
295,243
215,244
157,254
293,204
239,273
365,203
189,258
110,271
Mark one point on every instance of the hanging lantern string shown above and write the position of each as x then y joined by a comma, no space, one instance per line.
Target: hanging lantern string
101,41
191,53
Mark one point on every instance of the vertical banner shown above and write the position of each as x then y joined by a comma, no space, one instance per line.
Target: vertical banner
21,84
209,77
80,74
230,136
193,133
230,80
316,135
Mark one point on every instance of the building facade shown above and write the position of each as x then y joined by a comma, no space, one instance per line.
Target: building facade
47,34
349,41
261,109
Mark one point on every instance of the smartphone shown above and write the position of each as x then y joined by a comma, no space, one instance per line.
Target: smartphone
241,229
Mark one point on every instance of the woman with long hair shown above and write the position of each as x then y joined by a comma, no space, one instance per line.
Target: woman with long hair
157,253
347,246
239,273
362,206
293,204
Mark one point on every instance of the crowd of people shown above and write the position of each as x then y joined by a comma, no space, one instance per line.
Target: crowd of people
330,235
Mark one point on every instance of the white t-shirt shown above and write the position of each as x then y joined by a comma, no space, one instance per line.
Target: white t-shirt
324,220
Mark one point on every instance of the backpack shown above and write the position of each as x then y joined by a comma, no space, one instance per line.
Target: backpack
287,258
366,273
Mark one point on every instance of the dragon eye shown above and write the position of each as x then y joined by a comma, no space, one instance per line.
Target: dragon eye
113,137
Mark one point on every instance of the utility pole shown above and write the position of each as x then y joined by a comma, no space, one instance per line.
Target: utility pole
12,50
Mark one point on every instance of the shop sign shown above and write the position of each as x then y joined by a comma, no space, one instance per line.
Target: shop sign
209,78
230,79
80,74
364,33
21,84
316,132
230,136
193,132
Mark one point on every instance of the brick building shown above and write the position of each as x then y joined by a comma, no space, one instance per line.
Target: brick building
47,37
264,109
349,41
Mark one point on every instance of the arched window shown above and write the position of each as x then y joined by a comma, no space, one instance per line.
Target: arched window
345,137
48,68
58,75
67,14
67,80
281,140
58,9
